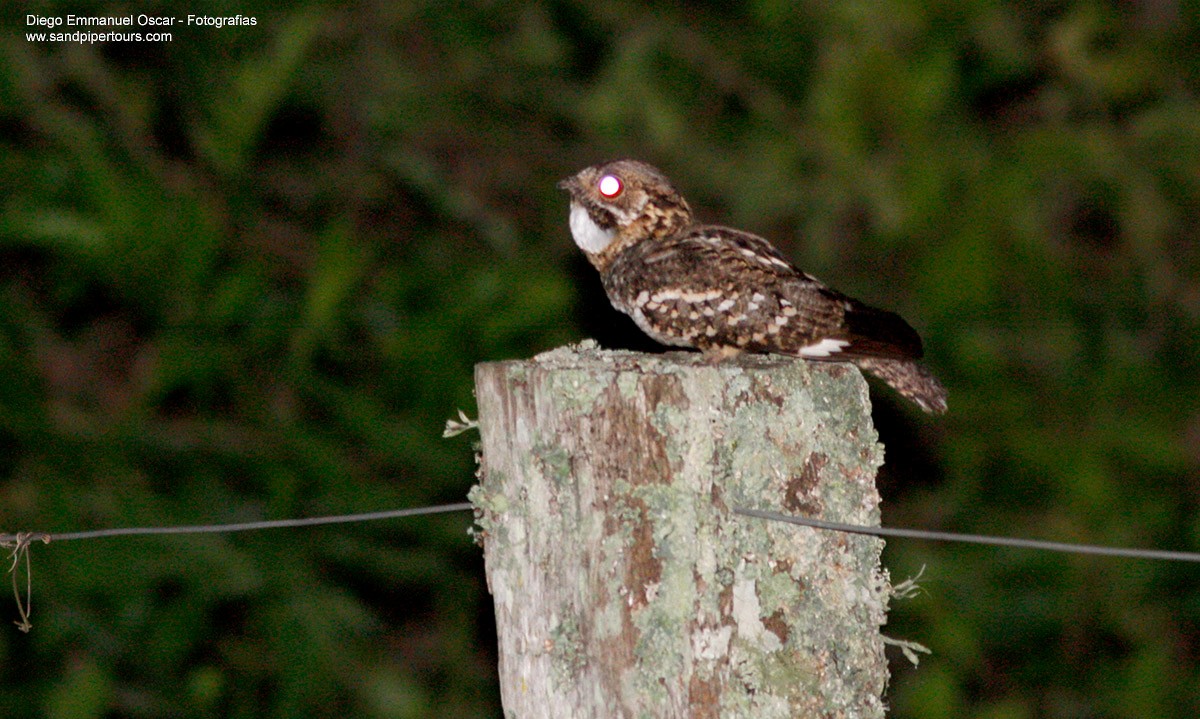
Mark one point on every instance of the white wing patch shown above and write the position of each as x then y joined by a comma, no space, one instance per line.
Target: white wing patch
587,234
824,348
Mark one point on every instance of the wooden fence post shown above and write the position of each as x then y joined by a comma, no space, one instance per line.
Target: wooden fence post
624,584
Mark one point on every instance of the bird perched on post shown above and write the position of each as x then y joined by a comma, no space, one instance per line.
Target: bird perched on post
724,291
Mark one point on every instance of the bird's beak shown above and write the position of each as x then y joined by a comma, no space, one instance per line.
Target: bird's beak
569,184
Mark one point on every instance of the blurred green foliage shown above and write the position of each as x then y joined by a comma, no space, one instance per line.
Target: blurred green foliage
247,273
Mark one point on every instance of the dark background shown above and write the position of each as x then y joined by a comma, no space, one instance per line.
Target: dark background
246,274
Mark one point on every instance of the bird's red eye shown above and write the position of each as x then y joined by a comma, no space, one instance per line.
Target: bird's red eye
610,186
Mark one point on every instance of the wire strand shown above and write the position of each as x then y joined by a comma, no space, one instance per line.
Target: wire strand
1068,547
245,526
898,532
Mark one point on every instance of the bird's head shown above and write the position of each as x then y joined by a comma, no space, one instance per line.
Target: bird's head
619,203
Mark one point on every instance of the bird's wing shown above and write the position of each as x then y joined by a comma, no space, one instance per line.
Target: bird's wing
719,287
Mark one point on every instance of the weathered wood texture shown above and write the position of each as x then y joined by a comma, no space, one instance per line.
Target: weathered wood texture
625,586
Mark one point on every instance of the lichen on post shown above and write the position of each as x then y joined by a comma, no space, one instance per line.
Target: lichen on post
624,584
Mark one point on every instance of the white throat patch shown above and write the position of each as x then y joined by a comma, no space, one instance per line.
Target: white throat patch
587,234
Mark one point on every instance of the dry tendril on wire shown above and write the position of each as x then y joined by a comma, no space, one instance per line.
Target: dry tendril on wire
20,549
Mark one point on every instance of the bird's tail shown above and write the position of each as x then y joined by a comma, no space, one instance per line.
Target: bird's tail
910,379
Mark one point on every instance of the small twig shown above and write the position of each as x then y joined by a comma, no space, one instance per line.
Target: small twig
908,588
909,648
455,427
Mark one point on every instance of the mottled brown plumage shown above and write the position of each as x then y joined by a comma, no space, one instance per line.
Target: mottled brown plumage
725,291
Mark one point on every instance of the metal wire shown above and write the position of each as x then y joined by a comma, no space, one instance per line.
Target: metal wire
245,526
898,532
1159,554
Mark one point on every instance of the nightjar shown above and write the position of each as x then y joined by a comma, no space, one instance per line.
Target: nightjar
724,291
